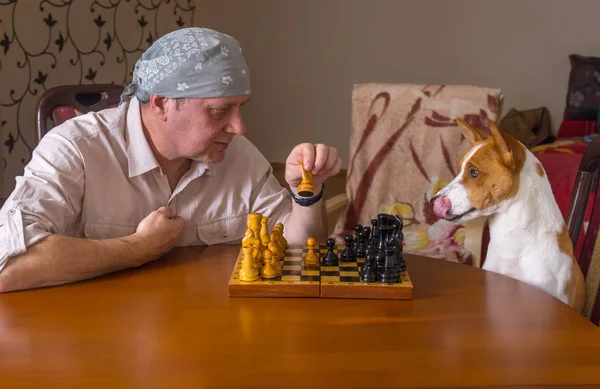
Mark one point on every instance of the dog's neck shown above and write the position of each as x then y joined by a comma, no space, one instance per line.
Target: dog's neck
533,209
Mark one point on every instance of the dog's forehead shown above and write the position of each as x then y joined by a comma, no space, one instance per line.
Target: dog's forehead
474,153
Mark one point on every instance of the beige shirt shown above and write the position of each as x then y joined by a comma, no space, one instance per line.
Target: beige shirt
96,177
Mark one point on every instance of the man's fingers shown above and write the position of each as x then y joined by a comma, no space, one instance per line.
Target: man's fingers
337,167
321,155
304,152
332,158
165,211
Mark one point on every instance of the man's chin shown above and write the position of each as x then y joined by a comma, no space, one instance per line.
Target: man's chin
210,159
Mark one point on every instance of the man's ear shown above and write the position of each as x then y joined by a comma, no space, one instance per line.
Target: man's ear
506,154
159,106
472,134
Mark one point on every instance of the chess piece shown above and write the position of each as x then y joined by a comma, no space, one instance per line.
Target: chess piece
384,230
389,275
311,258
306,188
283,242
268,271
367,234
368,271
398,239
357,231
361,247
276,258
250,239
275,237
330,258
375,232
248,272
348,254
264,231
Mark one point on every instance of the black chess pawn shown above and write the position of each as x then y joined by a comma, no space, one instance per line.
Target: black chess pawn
357,232
348,255
389,275
367,235
375,232
398,238
330,258
361,246
368,271
401,263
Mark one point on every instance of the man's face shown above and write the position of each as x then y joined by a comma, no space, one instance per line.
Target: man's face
201,129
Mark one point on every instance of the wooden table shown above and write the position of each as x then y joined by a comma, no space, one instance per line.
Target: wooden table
171,324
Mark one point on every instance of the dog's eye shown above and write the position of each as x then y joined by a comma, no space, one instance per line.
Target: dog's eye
473,173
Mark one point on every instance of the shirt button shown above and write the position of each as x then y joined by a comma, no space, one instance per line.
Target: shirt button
12,211
224,236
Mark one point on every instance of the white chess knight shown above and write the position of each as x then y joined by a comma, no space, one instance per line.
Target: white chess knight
529,240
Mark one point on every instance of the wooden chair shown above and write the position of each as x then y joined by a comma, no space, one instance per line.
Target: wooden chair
586,188
78,99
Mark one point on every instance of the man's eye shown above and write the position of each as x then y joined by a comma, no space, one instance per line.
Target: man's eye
220,111
473,172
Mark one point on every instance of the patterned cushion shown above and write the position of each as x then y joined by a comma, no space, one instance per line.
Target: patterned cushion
62,114
583,93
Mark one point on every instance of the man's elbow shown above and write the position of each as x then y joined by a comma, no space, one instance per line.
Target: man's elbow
3,283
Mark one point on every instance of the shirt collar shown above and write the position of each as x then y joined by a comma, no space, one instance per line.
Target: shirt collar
139,154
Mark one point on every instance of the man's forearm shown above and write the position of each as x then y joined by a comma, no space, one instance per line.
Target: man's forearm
305,222
59,260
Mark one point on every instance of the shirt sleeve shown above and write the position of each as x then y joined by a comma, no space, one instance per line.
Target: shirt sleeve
47,197
271,199
267,197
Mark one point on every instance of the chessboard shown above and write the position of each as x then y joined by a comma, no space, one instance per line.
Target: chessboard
335,271
344,281
296,279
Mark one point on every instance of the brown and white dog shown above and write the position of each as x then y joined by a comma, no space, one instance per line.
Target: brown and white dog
498,177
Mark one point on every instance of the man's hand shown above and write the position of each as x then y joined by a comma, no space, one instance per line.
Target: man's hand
161,230
321,160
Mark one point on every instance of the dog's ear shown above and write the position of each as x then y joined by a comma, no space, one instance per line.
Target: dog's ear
472,134
506,154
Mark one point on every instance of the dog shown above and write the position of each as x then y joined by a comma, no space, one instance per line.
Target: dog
500,178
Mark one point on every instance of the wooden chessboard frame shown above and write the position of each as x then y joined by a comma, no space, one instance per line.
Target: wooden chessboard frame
298,280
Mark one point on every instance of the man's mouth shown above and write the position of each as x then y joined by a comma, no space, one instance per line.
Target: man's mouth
222,145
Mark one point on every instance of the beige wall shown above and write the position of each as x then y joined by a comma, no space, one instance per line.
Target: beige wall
304,55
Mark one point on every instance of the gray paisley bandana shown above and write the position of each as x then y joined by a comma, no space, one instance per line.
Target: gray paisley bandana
190,63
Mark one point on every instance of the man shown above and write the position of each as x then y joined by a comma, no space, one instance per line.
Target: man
168,167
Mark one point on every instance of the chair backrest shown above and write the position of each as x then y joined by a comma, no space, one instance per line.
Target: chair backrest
77,99
586,188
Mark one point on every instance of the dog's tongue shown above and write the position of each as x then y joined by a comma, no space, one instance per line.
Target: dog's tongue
441,206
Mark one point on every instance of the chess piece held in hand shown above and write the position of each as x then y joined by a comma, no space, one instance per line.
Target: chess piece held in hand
306,187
